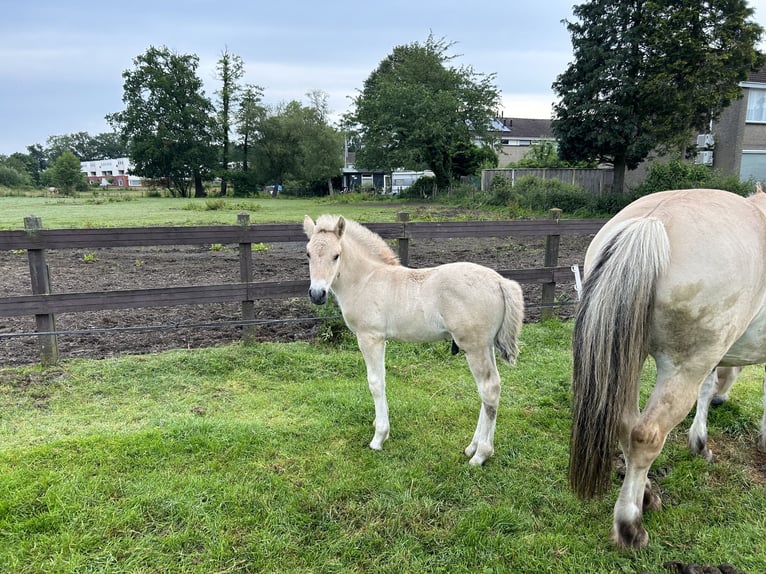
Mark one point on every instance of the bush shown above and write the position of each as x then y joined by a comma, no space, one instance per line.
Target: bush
540,194
10,177
422,188
677,174
244,183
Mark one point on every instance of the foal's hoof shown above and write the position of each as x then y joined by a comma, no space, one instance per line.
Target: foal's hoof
480,454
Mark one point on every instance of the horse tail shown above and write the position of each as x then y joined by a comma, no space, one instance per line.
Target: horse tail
610,344
506,338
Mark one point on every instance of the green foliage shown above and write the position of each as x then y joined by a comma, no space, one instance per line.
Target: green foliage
297,147
684,61
253,458
544,153
229,70
11,177
535,194
502,192
65,173
85,147
677,174
168,121
415,111
422,188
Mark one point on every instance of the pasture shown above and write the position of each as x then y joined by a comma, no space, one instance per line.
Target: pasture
254,458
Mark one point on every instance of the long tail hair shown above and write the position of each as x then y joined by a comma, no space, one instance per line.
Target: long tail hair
506,338
609,346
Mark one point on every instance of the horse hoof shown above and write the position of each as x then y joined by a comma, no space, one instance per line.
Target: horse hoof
476,461
470,450
630,536
717,401
651,501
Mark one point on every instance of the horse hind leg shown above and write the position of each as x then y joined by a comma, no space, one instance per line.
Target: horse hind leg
484,369
698,431
667,406
762,436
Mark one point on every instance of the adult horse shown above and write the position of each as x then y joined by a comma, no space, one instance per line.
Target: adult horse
679,275
380,299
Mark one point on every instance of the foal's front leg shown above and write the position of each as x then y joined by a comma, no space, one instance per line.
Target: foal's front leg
374,352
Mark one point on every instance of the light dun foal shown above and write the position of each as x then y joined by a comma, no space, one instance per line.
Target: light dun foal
380,299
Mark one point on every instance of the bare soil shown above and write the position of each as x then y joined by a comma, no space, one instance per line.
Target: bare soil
201,326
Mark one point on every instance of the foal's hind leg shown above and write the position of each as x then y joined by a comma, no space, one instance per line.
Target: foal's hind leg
484,370
374,352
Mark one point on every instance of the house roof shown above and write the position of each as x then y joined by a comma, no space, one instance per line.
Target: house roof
526,127
758,77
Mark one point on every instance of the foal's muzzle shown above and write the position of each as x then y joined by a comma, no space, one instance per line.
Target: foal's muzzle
318,294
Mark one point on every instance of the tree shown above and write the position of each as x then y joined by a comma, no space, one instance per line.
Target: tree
248,119
85,146
645,75
168,121
230,70
414,110
296,144
66,173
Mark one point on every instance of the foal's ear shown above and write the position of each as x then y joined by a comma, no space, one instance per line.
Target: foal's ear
308,226
340,227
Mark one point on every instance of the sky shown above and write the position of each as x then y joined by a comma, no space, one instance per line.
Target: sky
61,63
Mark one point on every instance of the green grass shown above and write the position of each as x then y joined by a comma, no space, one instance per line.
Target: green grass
253,458
133,210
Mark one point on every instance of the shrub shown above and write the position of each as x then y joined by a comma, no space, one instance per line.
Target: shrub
677,174
10,177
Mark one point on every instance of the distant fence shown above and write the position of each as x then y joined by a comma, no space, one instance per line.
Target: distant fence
44,304
596,181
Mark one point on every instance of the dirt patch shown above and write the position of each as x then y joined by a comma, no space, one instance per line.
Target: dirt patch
199,326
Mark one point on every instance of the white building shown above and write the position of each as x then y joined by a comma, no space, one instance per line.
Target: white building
110,172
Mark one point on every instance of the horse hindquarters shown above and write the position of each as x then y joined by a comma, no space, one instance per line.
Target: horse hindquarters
609,346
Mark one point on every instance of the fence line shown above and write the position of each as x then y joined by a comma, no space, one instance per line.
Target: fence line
44,305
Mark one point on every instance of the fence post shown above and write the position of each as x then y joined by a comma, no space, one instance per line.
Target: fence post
246,276
41,285
551,260
403,242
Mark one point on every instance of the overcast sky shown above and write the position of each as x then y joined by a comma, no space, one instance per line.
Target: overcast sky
61,63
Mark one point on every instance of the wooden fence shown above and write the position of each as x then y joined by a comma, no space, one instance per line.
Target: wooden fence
596,181
44,305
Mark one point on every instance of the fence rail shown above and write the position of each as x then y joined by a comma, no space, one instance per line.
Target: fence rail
44,304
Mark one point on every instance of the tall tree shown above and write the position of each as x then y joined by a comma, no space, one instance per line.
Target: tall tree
230,70
646,74
248,118
168,121
415,110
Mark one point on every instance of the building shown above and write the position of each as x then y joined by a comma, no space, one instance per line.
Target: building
740,133
516,136
110,172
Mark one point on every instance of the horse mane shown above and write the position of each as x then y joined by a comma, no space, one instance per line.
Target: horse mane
358,233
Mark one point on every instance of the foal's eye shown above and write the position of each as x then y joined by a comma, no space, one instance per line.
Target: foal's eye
336,257
308,255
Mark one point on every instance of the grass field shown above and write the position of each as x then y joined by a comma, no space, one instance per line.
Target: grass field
115,209
253,458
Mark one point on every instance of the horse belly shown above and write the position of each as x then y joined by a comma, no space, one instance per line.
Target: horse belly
750,348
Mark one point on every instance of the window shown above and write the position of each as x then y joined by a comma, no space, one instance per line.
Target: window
753,165
756,105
